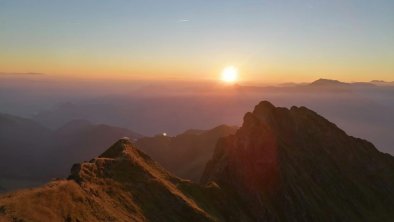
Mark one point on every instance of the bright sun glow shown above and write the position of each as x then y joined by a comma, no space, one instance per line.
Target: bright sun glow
229,75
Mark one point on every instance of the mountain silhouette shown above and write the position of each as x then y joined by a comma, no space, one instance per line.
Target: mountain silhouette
19,138
186,154
294,165
327,82
281,165
34,147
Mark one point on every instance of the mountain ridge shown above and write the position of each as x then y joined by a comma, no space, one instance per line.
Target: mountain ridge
121,184
289,159
281,165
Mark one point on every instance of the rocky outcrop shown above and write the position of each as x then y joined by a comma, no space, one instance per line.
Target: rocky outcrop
294,165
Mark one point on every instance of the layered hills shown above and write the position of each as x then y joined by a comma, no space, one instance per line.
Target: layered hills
281,165
363,109
35,147
186,154
19,138
28,148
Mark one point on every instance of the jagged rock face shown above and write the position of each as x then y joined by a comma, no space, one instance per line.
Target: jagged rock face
294,165
281,165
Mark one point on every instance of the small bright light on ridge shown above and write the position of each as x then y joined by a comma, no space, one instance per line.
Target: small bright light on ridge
230,74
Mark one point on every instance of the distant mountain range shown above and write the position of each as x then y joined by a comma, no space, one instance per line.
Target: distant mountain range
327,82
358,108
28,148
336,83
35,147
333,82
322,85
20,139
281,165
382,83
186,154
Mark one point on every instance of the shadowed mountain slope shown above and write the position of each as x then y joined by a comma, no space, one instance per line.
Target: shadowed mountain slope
28,149
19,138
122,184
281,165
294,165
186,154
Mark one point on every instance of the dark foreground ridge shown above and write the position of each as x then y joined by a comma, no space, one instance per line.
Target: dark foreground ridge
281,165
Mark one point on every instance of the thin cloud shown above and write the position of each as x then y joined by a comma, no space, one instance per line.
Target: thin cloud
183,20
21,74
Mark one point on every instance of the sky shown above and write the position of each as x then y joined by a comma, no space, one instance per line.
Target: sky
266,40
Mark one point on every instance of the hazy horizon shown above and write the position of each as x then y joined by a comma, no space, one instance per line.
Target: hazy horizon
267,41
42,77
150,107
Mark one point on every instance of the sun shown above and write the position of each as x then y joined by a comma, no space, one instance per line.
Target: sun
229,74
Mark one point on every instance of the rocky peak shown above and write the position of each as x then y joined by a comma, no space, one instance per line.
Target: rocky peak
283,121
121,147
121,157
264,107
283,161
267,114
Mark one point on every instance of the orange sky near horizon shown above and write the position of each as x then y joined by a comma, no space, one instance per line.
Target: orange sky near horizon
270,70
268,41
